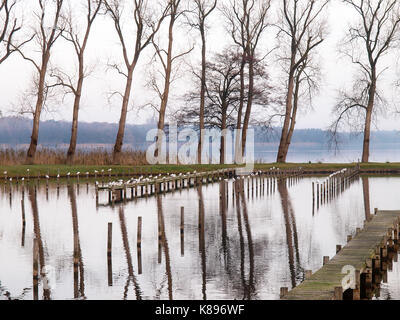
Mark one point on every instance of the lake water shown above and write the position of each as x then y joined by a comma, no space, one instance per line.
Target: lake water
320,153
245,247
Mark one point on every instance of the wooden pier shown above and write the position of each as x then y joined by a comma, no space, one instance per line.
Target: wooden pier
118,192
149,186
366,258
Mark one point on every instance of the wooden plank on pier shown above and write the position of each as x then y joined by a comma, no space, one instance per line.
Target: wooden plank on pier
357,253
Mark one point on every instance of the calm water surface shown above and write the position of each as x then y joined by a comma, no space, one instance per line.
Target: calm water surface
245,247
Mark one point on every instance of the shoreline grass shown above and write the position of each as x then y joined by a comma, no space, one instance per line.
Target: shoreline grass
54,170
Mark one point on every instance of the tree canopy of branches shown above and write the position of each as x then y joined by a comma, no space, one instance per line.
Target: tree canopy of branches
147,24
222,98
9,26
373,36
302,28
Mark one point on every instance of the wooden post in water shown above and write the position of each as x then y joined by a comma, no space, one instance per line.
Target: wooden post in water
109,255
308,274
338,293
182,231
97,195
356,291
139,244
326,260
252,186
112,196
338,248
313,192
284,292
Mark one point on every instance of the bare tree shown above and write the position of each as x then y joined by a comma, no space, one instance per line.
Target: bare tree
222,96
368,40
167,58
8,28
147,25
302,26
79,40
46,33
247,21
203,9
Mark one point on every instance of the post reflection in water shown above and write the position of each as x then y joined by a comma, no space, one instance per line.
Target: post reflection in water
207,250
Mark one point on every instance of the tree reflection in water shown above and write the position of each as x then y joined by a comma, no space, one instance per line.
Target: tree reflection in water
296,271
79,275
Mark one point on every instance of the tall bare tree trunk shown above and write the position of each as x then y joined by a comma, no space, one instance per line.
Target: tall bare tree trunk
223,135
368,122
202,93
167,82
75,115
288,114
294,113
249,104
73,37
147,26
30,158
45,36
238,147
122,121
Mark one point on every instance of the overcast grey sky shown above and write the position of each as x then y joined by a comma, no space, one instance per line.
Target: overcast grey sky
16,74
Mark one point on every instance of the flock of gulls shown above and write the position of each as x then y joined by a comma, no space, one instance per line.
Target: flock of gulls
161,178
144,179
333,175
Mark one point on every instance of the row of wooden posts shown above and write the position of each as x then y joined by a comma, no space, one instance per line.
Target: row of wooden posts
368,282
334,185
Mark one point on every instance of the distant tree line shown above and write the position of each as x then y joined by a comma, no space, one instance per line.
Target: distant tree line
16,131
233,88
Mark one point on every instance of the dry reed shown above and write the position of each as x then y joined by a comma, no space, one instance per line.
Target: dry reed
94,157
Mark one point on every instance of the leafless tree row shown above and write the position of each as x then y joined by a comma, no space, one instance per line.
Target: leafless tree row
233,86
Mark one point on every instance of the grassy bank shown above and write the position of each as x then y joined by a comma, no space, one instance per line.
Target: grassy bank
53,170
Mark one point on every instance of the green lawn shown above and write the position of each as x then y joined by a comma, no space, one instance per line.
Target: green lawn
53,170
